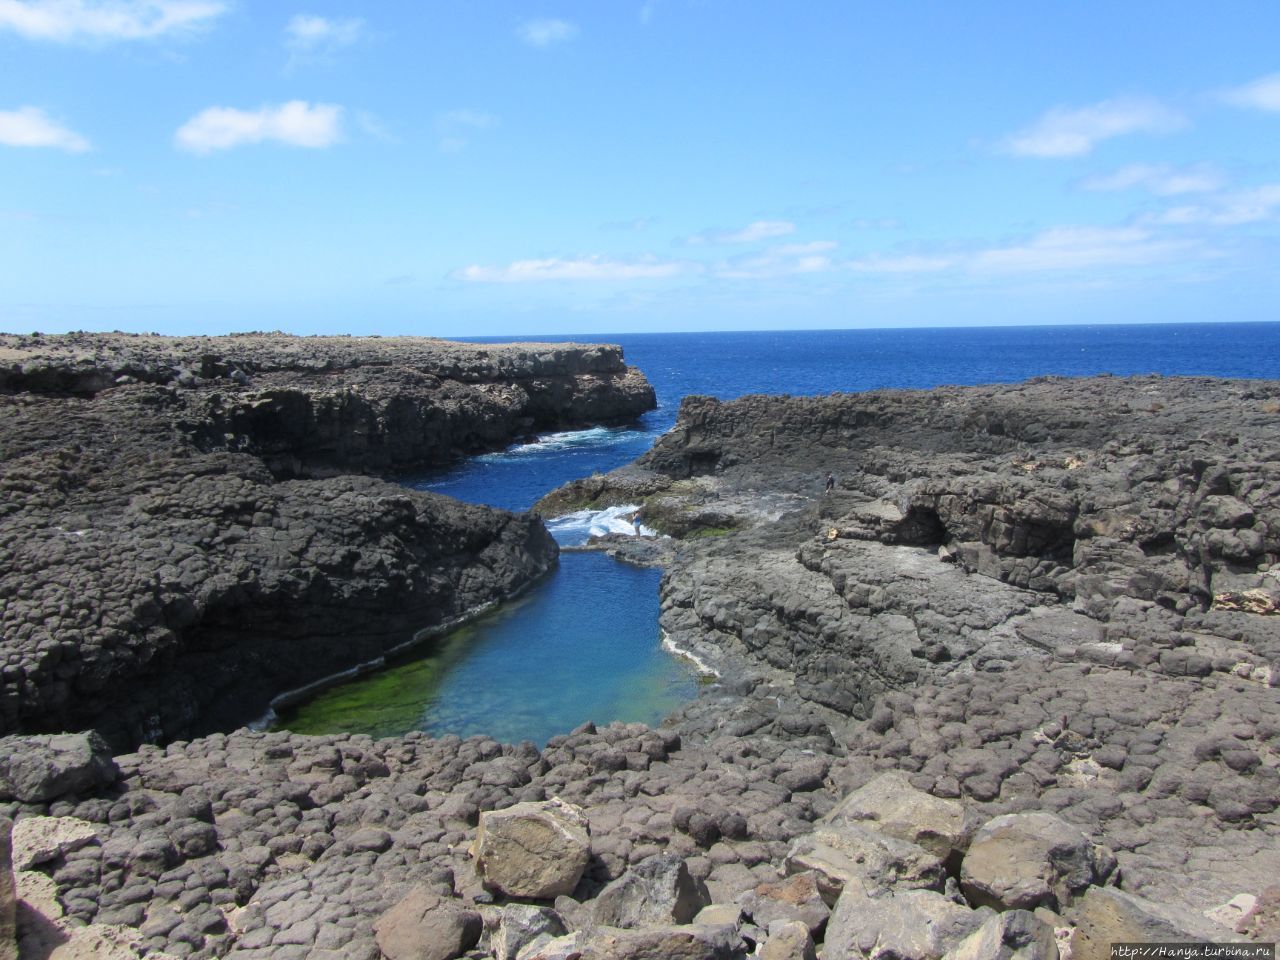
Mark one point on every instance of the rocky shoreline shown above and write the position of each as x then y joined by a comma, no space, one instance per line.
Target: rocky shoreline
1009,690
185,538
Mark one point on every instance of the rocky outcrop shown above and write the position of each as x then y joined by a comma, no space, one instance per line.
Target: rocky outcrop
935,732
534,849
1055,596
164,577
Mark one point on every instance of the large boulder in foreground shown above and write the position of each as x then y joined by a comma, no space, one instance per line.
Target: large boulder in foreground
1026,860
655,891
909,925
1105,915
37,769
425,926
837,853
536,850
892,806
1012,935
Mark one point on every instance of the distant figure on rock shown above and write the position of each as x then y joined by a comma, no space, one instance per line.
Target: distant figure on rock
831,482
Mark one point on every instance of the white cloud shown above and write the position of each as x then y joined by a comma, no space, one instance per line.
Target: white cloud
31,127
547,33
1075,248
1229,210
1162,179
296,123
751,233
106,20
1075,131
457,126
1261,94
907,263
307,34
783,260
1055,249
581,268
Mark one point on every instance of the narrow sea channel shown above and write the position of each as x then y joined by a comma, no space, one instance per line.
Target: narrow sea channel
581,645
584,644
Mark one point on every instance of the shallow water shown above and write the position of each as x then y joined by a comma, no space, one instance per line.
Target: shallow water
582,645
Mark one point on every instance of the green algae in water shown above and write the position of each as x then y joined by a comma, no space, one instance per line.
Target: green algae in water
583,645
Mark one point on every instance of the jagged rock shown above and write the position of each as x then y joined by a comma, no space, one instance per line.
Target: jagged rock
1025,860
46,767
841,850
175,559
788,940
655,891
535,849
907,925
8,896
1262,920
424,926
671,942
561,948
38,840
799,897
521,925
1013,935
1105,915
894,807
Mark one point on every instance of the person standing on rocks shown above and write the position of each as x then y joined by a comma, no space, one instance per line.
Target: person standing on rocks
831,482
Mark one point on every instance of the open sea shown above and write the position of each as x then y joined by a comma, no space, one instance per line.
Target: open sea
584,644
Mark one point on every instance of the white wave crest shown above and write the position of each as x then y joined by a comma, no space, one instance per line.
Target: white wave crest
568,440
579,526
699,664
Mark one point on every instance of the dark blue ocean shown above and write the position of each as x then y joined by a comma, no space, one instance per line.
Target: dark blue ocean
584,645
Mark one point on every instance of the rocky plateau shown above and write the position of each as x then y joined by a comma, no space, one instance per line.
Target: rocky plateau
1008,690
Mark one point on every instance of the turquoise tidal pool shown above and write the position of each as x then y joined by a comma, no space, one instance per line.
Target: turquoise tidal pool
581,645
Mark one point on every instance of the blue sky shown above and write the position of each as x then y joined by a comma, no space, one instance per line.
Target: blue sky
205,166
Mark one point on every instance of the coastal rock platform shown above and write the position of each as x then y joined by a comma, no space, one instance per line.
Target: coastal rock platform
1009,688
187,534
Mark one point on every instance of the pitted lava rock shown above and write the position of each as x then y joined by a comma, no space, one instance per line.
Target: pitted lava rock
181,544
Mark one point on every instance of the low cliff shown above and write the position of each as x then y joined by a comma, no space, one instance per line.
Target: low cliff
315,405
181,544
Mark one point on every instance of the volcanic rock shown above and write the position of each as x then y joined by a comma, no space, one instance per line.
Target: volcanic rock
1013,935
38,768
655,891
1025,860
422,926
535,849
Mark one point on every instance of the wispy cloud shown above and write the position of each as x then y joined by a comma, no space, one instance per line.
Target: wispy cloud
904,263
1228,210
458,126
1260,94
1077,248
32,127
782,260
751,233
296,123
66,21
1056,249
307,35
1075,131
580,268
1159,179
547,33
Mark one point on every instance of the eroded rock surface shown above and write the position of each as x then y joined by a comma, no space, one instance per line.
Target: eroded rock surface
180,546
1033,624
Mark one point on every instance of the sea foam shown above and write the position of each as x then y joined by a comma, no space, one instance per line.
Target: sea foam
576,528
